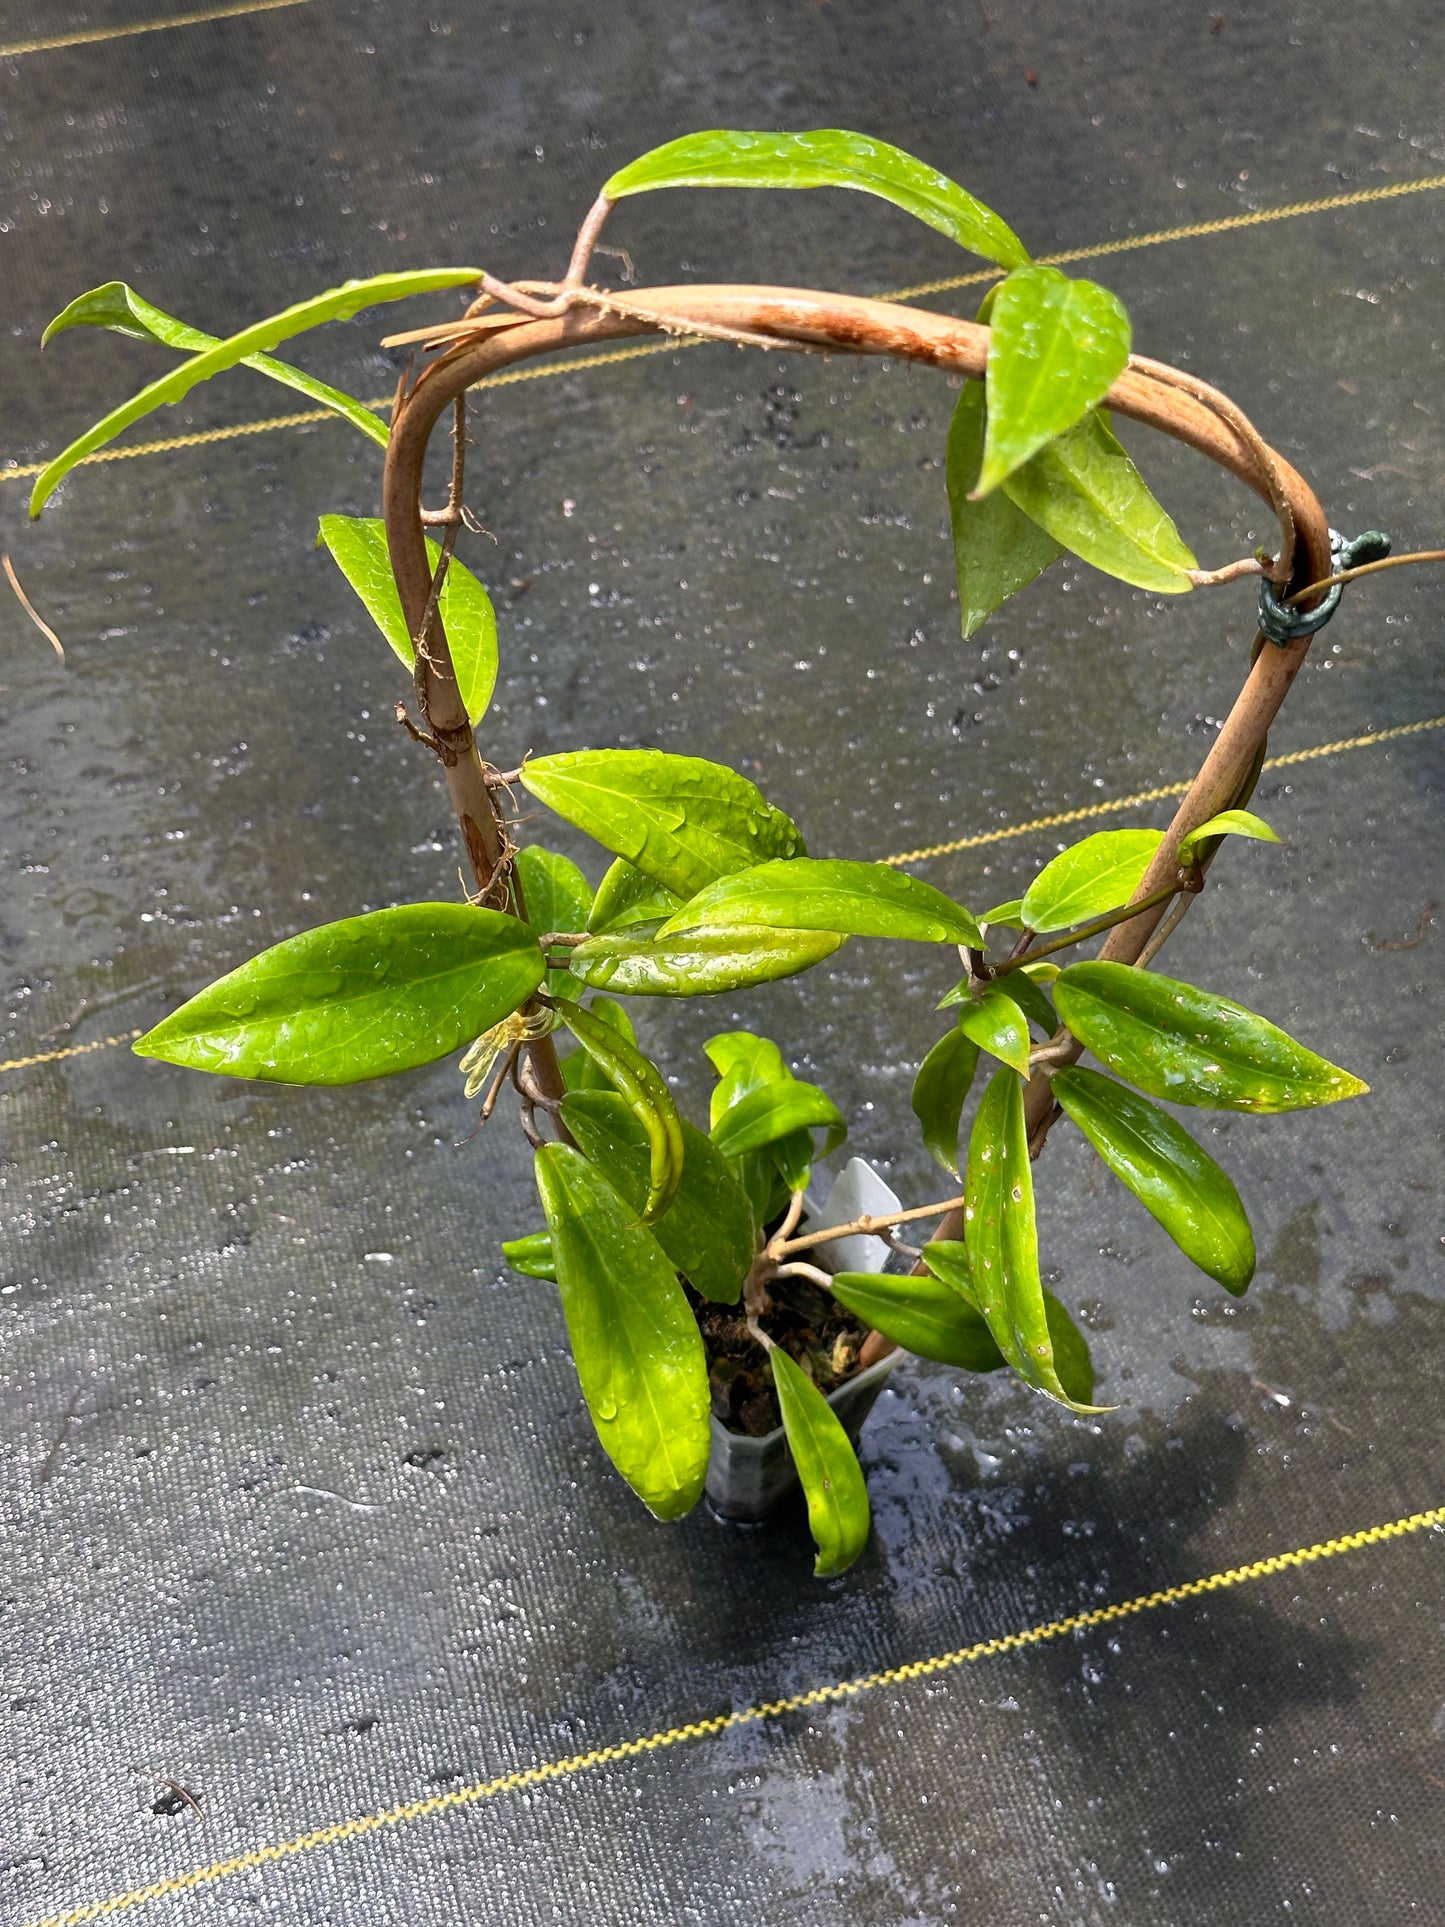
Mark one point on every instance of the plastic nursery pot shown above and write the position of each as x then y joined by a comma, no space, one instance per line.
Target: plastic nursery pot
746,1476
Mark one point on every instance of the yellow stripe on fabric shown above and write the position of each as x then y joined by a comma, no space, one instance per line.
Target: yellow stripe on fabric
70,1050
1088,811
90,36
1226,224
520,1781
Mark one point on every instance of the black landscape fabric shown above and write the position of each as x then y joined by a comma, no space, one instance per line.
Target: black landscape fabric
300,1509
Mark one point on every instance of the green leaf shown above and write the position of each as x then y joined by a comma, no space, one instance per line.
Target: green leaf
770,1114
1181,1043
1088,495
944,1080
1090,878
626,896
644,1090
1003,1245
336,304
1176,1181
356,999
358,547
922,1314
558,897
997,549
1055,348
698,962
994,1021
805,893
639,1352
826,157
581,1071
949,1261
828,1468
744,1063
532,1255
707,1230
1004,916
683,821
1031,999
123,312
1227,823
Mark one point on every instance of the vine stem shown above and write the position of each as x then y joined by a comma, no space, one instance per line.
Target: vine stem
1168,400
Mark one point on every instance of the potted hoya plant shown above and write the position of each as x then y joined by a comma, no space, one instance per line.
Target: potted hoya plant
721,1317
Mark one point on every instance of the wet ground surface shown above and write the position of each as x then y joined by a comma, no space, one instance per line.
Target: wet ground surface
300,1508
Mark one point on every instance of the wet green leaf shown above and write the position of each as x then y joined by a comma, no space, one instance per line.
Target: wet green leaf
944,1080
644,1090
707,1230
807,893
336,304
1175,1180
1088,495
697,963
358,546
825,157
558,897
1090,878
357,999
580,1070
1031,998
1055,348
1003,1247
683,821
1227,823
744,1063
639,1352
828,1468
997,549
770,1114
994,1021
532,1255
1184,1044
922,1314
124,312
949,1261
628,896
1005,916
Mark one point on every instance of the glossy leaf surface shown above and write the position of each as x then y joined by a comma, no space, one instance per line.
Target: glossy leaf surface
707,1230
628,896
357,999
683,821
532,1255
1031,998
828,894
697,963
1228,823
558,897
1175,1180
357,544
1005,916
744,1063
124,312
994,1021
825,157
639,1352
336,304
940,1090
1089,879
948,1260
1056,347
1003,1248
997,549
922,1314
644,1090
769,1115
828,1468
580,1070
1088,495
1184,1044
